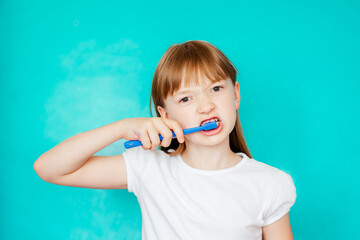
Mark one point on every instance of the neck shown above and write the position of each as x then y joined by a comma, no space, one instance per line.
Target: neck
210,157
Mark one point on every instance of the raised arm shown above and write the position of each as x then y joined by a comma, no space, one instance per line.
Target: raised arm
72,162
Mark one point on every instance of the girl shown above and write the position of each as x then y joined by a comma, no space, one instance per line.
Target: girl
203,185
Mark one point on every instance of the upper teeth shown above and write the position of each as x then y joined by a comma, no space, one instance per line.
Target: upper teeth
211,120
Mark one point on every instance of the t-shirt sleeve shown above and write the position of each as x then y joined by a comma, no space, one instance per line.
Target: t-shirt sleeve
282,197
136,160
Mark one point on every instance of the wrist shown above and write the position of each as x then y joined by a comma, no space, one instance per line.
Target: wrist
119,129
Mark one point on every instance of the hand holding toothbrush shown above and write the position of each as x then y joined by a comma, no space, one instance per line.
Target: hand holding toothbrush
144,132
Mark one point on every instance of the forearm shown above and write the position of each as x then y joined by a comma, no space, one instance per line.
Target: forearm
71,154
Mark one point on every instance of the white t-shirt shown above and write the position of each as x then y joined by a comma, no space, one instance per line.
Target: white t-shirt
178,201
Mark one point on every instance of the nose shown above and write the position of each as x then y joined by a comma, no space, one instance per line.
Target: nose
205,104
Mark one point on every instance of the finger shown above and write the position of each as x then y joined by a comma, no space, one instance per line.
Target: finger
154,138
145,140
175,126
165,132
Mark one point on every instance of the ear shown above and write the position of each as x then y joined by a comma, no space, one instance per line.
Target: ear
237,95
162,112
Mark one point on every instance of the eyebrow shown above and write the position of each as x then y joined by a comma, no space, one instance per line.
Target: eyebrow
187,90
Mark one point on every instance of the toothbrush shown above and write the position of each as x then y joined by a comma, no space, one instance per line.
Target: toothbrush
206,127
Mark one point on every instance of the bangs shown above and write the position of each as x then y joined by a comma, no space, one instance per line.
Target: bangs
189,64
194,73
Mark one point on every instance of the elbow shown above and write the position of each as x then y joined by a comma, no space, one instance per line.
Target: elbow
40,172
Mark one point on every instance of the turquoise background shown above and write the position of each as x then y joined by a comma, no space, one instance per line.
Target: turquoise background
72,66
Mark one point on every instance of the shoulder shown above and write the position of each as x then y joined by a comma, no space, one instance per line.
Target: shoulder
276,184
267,174
261,167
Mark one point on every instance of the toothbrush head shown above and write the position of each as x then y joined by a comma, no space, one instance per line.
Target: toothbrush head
209,126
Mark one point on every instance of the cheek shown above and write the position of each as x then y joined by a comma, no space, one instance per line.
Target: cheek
228,107
186,117
183,117
226,102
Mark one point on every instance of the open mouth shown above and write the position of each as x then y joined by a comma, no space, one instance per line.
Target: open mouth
214,131
214,119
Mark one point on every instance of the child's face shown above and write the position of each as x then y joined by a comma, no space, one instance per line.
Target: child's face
220,99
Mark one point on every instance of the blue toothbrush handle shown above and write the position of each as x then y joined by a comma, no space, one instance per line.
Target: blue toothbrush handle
132,143
136,143
207,126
